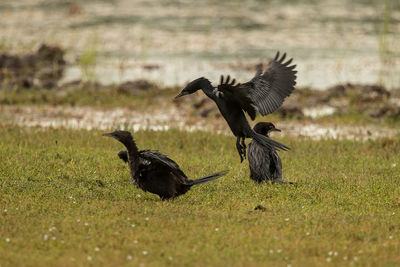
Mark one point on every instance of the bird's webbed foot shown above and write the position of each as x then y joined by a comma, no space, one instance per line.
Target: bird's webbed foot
239,149
243,144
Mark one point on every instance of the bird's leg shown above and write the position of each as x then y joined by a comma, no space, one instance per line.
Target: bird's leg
244,147
239,148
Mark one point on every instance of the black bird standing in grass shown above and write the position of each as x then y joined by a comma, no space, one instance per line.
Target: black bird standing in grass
265,164
263,94
154,172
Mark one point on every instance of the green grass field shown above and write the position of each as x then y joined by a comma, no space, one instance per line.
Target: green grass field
66,200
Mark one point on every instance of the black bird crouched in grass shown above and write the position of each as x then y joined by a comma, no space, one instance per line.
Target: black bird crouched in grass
265,164
154,172
263,94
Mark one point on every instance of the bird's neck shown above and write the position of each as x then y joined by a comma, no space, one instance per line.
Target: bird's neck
207,88
133,155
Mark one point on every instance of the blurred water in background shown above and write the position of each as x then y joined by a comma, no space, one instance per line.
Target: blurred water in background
172,42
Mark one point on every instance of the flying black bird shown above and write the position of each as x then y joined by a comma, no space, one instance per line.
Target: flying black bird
154,172
265,164
263,94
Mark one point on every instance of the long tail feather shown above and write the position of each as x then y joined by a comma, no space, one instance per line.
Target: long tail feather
268,142
208,178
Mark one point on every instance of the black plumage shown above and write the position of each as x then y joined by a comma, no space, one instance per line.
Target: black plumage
154,172
265,164
263,94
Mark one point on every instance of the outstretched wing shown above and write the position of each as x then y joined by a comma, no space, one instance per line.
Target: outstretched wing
238,94
156,157
268,90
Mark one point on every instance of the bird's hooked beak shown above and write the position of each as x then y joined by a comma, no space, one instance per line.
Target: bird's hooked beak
275,130
182,93
112,135
108,134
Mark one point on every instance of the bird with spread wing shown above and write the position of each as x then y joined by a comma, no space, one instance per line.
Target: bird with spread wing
263,94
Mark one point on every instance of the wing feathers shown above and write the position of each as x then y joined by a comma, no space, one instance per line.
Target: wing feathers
268,90
276,56
288,62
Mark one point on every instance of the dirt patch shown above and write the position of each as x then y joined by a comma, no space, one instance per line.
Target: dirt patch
41,69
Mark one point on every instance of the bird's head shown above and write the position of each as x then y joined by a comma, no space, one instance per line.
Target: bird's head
265,128
124,137
193,86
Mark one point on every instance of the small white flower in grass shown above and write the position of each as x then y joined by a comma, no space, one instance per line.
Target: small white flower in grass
138,195
393,213
144,252
345,258
302,207
78,220
133,225
86,224
128,219
74,202
328,259
8,240
129,257
390,237
96,249
330,253
394,165
287,219
5,210
16,208
135,241
355,258
279,250
70,197
289,265
53,238
335,253
271,251
308,233
89,258
147,218
45,237
216,229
